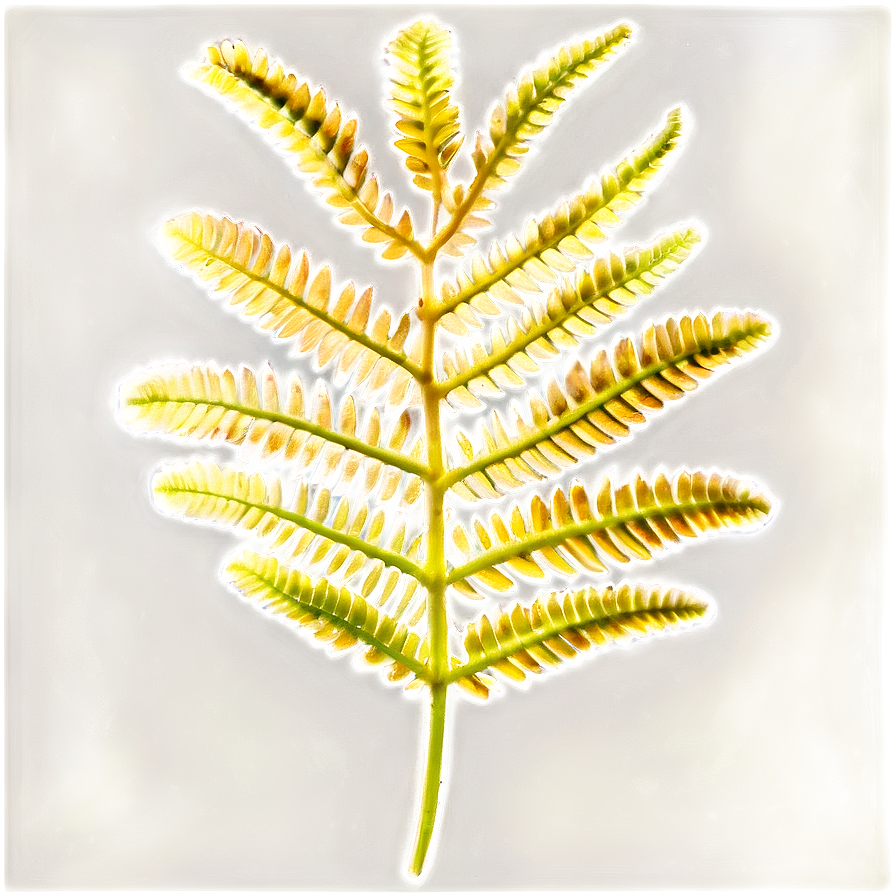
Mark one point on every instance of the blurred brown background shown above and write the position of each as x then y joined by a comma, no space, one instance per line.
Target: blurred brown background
161,733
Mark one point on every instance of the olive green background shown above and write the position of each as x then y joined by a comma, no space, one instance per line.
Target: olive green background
161,733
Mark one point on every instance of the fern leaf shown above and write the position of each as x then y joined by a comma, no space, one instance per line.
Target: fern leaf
528,107
560,241
313,525
341,547
524,641
312,132
203,402
334,615
579,533
573,311
600,407
428,122
263,279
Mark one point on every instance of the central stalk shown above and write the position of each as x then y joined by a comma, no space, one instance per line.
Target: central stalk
436,569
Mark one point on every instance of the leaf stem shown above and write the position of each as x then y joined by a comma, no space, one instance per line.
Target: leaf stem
432,777
435,566
435,570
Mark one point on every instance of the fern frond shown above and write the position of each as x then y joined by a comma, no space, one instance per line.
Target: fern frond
298,120
573,311
240,407
428,121
242,263
334,615
312,525
600,407
341,547
557,243
576,533
528,107
524,641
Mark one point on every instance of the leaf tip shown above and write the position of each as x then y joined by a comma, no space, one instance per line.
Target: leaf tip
132,395
239,566
763,504
702,606
163,490
765,326
625,30
676,115
173,232
194,71
688,237
162,234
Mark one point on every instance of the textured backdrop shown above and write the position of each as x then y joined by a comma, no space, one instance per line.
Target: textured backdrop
161,733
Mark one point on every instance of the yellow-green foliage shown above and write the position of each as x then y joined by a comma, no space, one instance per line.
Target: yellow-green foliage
352,542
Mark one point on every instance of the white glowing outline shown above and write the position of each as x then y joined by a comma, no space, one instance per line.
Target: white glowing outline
441,686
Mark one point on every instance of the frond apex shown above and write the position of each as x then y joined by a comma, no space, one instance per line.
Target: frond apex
428,123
